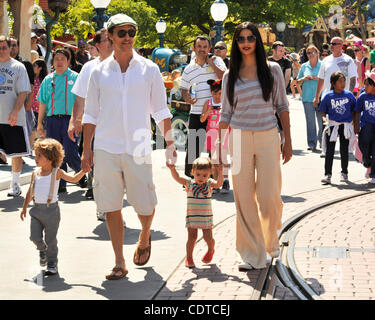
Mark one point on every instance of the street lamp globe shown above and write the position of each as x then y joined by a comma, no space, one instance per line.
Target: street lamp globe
161,26
100,3
280,26
219,10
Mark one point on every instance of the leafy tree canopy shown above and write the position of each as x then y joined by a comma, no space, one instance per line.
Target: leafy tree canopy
197,12
78,22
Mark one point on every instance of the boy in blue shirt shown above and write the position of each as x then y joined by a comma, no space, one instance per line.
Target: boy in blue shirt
365,112
339,105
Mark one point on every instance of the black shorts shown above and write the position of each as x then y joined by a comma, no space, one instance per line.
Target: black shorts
14,141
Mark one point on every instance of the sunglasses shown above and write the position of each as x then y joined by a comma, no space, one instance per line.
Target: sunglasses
311,53
356,50
335,44
220,48
324,55
122,33
242,39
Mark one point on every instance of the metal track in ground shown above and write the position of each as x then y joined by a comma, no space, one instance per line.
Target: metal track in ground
283,270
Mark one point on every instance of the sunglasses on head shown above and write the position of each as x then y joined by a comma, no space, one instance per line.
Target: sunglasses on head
122,33
251,39
220,48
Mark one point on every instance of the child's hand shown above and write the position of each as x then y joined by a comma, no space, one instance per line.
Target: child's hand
86,169
171,166
23,214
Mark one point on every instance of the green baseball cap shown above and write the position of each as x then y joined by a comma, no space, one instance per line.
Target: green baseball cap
120,19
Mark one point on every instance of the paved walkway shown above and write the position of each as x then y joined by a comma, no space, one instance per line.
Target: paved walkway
85,252
350,224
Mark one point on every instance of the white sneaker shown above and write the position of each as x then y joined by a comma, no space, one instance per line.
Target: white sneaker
326,179
372,181
100,216
14,190
344,177
245,266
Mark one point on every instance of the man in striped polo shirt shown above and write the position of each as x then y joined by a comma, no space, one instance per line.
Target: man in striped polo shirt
56,99
195,77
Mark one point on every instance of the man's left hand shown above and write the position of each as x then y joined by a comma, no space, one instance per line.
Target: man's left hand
211,60
74,129
12,118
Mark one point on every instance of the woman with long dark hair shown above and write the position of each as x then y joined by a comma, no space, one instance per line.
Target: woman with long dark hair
40,72
253,89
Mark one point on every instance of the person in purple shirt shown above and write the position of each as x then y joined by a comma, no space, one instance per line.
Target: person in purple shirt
365,112
339,105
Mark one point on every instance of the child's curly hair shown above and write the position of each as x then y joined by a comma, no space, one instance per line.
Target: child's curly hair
202,163
51,149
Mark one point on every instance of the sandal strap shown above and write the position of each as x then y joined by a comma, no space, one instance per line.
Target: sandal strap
141,251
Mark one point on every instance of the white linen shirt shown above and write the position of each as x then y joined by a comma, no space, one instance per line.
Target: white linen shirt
120,105
82,82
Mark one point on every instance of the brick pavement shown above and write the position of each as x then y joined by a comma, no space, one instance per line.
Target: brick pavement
349,226
222,280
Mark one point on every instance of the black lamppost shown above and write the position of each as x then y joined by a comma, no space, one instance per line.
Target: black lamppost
57,6
100,18
219,12
161,26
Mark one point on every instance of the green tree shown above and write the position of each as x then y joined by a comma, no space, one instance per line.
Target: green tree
78,22
197,12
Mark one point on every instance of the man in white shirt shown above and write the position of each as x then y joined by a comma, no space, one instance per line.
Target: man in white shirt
195,76
105,49
337,61
124,90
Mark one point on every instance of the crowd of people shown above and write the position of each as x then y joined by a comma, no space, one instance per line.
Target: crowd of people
92,112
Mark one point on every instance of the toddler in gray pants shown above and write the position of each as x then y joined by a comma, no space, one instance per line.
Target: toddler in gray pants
45,213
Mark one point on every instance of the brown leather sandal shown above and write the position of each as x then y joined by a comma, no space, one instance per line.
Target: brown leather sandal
124,272
140,252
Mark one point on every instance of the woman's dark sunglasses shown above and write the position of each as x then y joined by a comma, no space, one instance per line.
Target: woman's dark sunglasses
251,39
122,33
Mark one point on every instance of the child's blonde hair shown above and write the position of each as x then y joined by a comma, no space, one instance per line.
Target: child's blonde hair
202,163
176,73
51,149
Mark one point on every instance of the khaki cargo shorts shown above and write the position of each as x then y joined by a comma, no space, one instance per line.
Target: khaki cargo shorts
116,173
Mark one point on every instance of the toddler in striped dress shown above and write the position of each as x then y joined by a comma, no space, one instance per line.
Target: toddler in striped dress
199,210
